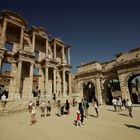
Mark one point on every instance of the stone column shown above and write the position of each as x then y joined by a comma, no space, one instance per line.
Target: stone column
69,75
31,81
46,47
2,41
64,85
63,55
68,55
124,88
54,51
46,79
98,90
54,80
33,42
21,37
0,64
18,82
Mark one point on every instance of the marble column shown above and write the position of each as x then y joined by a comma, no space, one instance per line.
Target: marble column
54,80
2,41
54,55
21,37
124,87
0,64
64,82
69,76
68,55
98,90
63,55
46,47
46,80
33,42
18,82
31,81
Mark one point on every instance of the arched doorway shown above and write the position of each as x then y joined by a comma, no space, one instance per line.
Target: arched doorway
134,88
112,90
88,91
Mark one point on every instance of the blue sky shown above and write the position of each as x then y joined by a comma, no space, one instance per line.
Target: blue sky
96,29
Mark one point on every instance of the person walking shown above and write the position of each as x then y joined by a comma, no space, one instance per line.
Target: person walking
48,109
86,106
78,119
114,102
67,107
81,109
3,98
42,107
129,107
96,108
33,114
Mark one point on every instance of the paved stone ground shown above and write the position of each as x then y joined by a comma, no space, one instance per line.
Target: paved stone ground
109,126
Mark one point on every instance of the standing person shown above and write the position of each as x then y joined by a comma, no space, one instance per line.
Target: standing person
114,102
30,106
78,119
33,114
96,108
129,107
81,109
119,104
59,108
86,106
48,109
124,102
42,107
3,98
67,107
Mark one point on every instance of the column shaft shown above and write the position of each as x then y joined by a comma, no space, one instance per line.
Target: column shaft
64,85
69,83
54,51
33,42
54,80
21,37
98,88
68,55
2,41
18,83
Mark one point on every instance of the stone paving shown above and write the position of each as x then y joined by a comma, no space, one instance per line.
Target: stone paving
109,126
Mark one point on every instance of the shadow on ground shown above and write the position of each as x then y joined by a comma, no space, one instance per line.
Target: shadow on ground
132,126
123,114
111,110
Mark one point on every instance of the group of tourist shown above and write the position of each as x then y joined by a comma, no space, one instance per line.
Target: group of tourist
118,103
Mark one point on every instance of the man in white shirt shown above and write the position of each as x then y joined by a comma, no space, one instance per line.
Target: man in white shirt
3,98
129,107
114,102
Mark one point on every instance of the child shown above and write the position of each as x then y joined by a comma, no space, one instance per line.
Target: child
78,119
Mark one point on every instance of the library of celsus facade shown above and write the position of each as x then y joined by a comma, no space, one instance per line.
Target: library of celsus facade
108,79
33,60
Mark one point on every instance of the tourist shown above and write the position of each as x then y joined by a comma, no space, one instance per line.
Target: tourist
119,103
30,106
3,98
33,114
81,109
59,108
42,107
67,107
114,102
96,108
124,102
78,119
86,106
129,107
48,109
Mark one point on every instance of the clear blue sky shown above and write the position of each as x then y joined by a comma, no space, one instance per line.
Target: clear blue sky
96,29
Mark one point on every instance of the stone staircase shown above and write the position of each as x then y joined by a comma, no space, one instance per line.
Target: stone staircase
13,106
